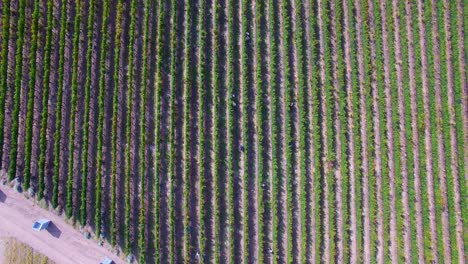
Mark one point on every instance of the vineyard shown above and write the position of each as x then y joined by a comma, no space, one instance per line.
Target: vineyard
232,131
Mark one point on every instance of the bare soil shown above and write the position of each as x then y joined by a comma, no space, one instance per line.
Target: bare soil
325,232
379,225
61,242
427,134
353,239
222,135
440,136
366,254
403,139
453,135
393,246
179,201
279,93
338,183
415,131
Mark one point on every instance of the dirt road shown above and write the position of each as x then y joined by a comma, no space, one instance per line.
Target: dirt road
61,243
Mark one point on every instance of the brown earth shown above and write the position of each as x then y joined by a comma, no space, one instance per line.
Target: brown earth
61,242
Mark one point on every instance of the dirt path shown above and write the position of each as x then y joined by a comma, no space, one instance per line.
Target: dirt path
366,254
2,250
338,186
164,137
403,140
415,131
207,140
353,239
393,250
237,140
440,135
453,135
179,135
293,129
325,240
462,66
427,134
278,128
250,132
378,139
66,115
221,121
61,242
309,121
265,143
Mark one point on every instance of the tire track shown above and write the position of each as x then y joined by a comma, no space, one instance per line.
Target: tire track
366,254
101,172
18,75
336,163
279,128
265,144
66,115
38,94
464,88
47,165
353,240
108,197
415,131
377,137
237,156
207,173
136,117
150,175
325,232
403,140
193,136
440,136
250,132
45,103
6,13
179,133
453,136
390,136
309,122
83,215
143,143
70,192
22,129
9,82
427,132
115,124
33,56
121,121
163,133
222,162
59,106
292,129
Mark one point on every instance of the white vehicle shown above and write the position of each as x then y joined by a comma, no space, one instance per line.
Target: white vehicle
106,260
41,224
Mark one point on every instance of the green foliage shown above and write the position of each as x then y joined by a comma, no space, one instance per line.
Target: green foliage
143,128
4,66
115,114
58,111
45,100
128,132
87,91
102,83
31,89
16,96
73,109
277,172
